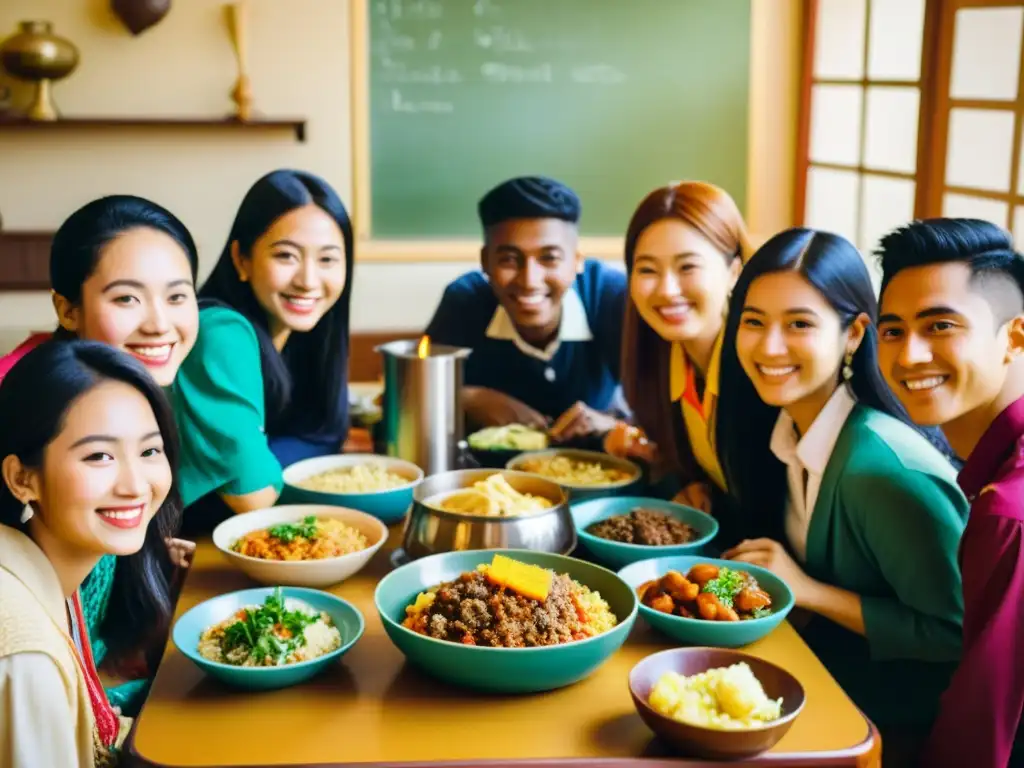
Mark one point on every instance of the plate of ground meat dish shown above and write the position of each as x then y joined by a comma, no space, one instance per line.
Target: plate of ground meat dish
510,621
508,604
643,525
621,530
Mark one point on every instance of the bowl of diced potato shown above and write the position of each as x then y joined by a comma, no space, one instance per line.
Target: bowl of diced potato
381,486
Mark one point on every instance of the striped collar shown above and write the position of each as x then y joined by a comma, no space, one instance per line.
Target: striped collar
573,326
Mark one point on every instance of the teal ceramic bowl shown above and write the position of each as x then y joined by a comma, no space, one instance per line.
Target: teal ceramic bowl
502,670
717,634
193,623
616,554
387,506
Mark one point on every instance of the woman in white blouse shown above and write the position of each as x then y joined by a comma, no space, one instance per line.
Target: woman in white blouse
841,497
86,454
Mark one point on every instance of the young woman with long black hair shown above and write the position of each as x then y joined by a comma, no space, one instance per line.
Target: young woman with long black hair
840,495
287,267
87,453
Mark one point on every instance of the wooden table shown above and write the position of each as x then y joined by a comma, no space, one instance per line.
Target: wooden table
373,708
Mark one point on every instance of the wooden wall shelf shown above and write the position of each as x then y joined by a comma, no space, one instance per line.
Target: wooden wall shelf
25,260
298,126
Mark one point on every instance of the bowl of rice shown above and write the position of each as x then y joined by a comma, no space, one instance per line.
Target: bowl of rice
301,545
476,619
715,703
267,638
584,474
379,485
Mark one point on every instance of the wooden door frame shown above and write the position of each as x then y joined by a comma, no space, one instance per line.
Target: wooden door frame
926,109
941,107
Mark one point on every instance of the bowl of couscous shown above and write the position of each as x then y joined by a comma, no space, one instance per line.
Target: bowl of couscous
715,703
584,474
300,545
379,485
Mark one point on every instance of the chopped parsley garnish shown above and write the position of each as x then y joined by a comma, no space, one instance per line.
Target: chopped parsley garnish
726,585
287,532
270,631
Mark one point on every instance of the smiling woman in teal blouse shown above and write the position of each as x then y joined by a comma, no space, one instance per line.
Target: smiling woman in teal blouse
844,499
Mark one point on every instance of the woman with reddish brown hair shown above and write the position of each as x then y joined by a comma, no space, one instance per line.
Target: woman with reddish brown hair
685,246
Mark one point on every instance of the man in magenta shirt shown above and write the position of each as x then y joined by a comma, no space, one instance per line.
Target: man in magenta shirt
951,330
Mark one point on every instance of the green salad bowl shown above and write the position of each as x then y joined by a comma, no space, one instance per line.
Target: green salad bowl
716,634
502,670
191,625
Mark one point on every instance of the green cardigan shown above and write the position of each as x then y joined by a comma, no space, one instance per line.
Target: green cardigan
887,524
217,399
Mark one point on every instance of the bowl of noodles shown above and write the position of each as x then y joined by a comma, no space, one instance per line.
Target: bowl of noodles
505,621
488,508
379,485
715,703
302,545
585,474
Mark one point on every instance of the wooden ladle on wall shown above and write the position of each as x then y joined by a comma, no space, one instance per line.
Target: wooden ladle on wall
140,15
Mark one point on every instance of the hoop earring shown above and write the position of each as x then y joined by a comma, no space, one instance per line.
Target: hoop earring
847,367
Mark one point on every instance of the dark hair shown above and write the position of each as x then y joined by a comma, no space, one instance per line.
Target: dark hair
529,197
79,242
311,372
985,248
835,268
35,398
645,367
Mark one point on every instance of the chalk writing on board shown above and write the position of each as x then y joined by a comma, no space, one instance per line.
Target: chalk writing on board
398,10
434,40
483,8
599,74
420,106
501,40
496,72
397,72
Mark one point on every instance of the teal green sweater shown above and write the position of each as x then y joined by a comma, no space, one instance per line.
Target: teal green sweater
217,398
886,525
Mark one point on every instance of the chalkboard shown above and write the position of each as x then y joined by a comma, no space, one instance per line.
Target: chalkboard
613,97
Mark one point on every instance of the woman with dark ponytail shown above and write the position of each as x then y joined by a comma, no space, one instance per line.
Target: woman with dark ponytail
839,494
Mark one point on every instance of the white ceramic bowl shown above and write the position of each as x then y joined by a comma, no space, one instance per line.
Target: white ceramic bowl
299,573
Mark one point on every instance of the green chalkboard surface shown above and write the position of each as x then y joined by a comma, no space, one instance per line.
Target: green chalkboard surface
614,97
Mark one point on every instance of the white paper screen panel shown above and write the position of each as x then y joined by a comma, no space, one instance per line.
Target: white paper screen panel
1018,227
979,149
890,139
986,53
839,39
970,207
895,37
888,203
835,124
832,197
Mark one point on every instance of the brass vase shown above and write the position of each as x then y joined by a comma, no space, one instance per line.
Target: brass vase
37,55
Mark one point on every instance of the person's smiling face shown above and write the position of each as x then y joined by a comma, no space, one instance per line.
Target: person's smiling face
942,349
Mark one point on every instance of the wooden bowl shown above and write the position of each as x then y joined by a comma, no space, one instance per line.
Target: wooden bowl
715,743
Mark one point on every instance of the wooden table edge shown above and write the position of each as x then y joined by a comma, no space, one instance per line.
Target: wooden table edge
845,757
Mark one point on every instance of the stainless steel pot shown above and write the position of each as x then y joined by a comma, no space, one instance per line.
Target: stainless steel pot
429,531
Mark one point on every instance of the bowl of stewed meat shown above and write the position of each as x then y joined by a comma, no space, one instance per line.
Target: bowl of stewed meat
505,621
707,601
619,530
